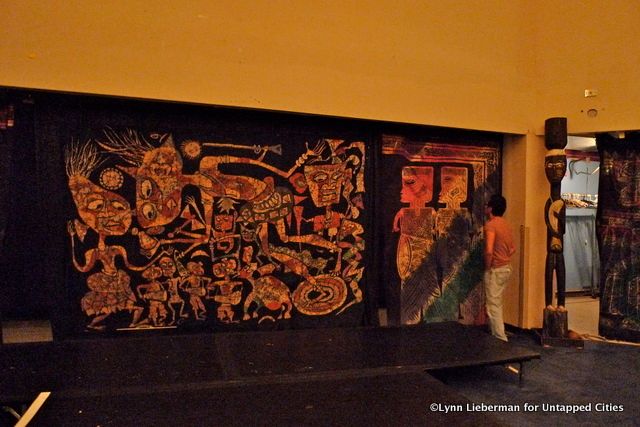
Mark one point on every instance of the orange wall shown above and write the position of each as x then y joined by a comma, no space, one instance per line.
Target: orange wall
450,63
499,65
582,45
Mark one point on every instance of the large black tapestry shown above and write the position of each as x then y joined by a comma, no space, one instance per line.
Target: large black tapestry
131,215
176,216
213,242
618,230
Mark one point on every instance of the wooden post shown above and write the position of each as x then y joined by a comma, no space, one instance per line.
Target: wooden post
555,323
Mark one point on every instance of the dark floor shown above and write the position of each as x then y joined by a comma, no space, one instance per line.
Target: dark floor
603,376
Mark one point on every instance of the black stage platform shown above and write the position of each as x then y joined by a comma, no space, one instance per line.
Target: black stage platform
350,376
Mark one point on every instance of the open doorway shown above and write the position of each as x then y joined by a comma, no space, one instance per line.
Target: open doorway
580,191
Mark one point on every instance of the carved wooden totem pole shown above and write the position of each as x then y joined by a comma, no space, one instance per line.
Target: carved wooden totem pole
555,318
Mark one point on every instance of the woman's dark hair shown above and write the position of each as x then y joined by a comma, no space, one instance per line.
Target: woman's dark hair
498,205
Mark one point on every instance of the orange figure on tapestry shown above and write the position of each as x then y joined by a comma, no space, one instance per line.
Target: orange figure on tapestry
107,214
154,293
195,284
416,222
226,292
453,223
270,298
328,183
171,282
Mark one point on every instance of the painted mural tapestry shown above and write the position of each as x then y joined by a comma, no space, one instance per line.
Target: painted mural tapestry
618,232
433,228
170,232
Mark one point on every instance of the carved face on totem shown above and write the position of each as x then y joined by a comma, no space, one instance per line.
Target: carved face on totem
555,166
158,186
453,182
106,212
417,185
626,180
325,183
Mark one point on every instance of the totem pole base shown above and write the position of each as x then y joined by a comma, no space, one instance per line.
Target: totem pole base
555,329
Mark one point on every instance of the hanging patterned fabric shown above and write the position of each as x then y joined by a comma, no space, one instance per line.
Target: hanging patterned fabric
618,229
432,227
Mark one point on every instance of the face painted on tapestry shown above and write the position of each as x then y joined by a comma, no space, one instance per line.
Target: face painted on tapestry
325,183
158,187
225,267
453,183
152,273
168,266
248,233
417,185
195,268
105,212
223,222
555,166
626,181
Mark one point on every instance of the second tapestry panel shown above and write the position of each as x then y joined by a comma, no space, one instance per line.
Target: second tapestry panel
432,227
